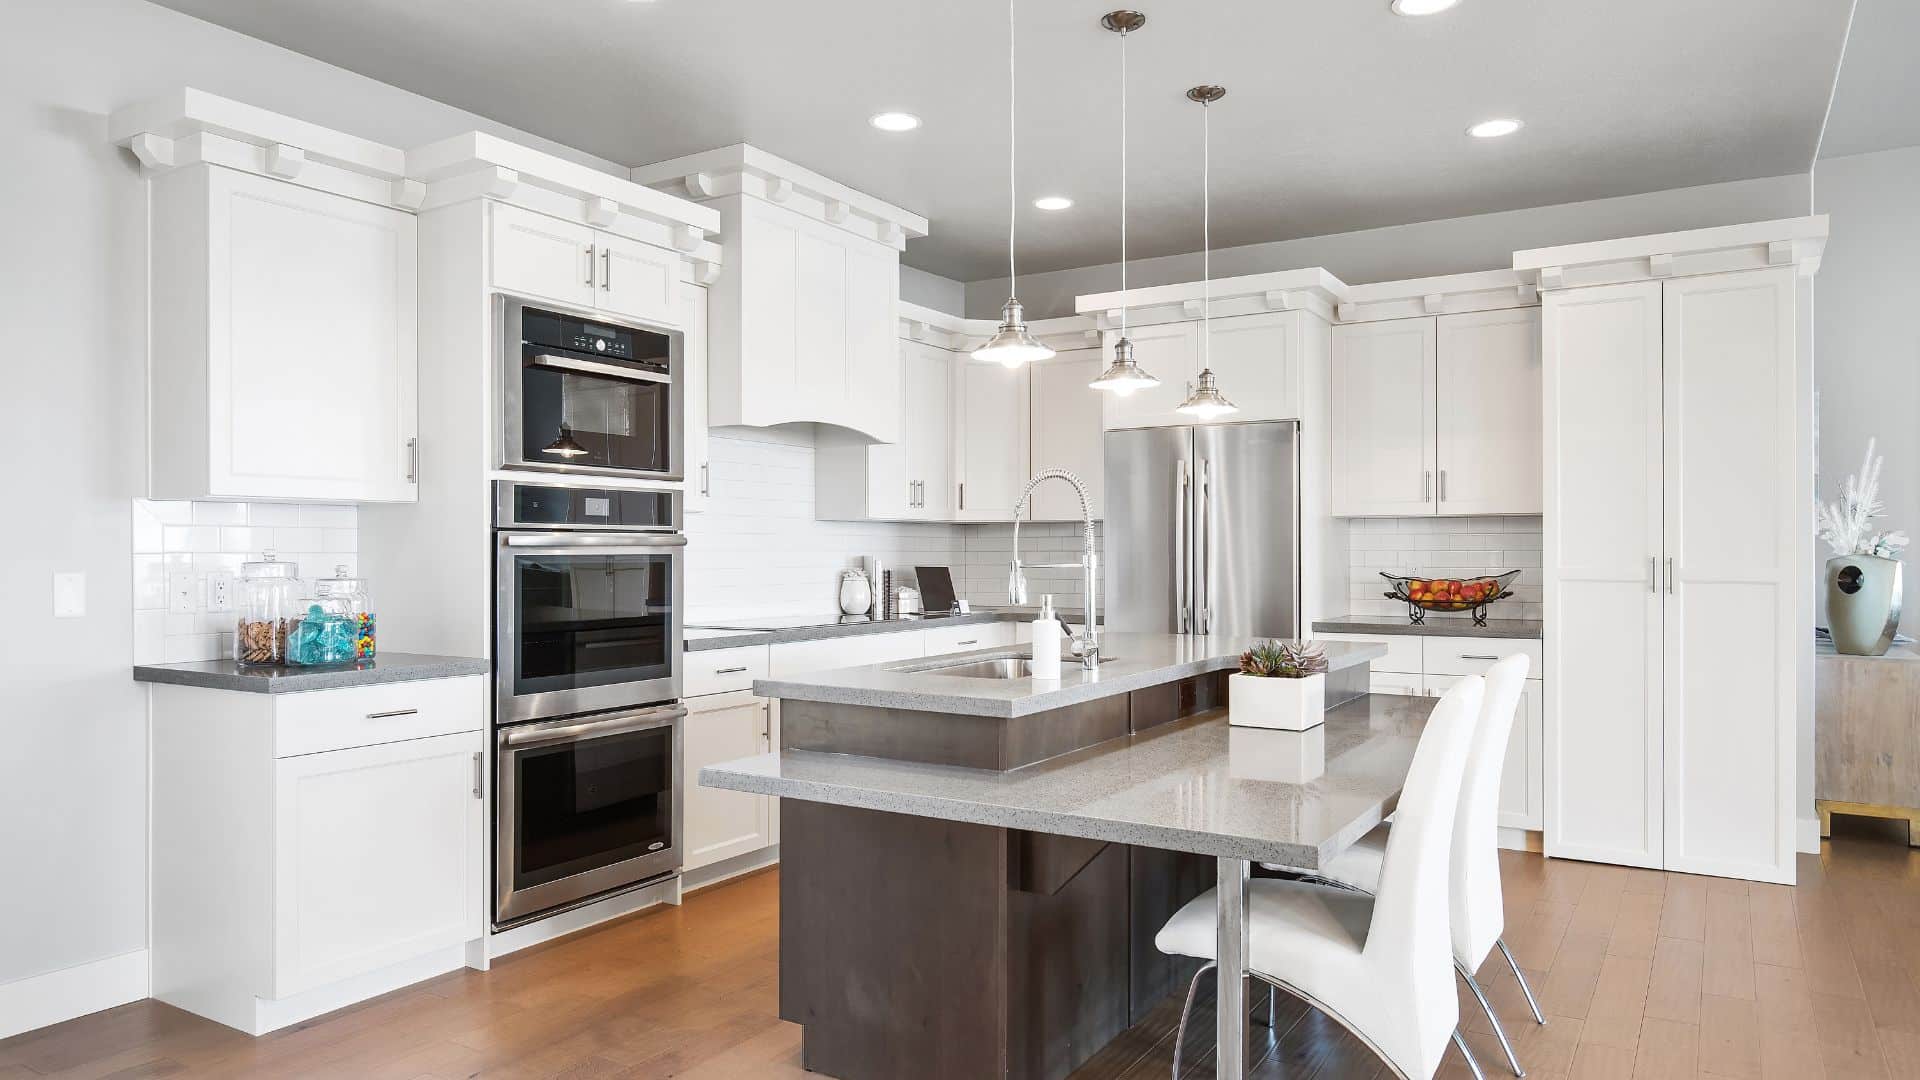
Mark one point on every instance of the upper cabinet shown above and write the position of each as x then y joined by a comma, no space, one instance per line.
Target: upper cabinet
803,322
283,350
990,451
535,255
1066,433
693,323
910,480
1437,414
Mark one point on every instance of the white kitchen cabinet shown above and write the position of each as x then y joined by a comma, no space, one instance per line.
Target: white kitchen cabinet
804,324
545,258
799,657
313,849
941,640
1256,359
910,480
1383,418
283,350
1438,415
1522,801
723,824
1067,433
1169,352
990,451
1675,541
693,380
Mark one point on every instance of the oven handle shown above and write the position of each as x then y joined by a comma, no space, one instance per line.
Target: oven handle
541,734
596,541
595,367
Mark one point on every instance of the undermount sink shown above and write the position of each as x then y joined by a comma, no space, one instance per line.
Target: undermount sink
1006,667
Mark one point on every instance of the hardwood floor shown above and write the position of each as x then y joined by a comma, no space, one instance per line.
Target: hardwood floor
1643,974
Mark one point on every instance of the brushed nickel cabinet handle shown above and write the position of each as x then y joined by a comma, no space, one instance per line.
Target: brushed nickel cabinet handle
1426,486
1443,485
590,251
1477,656
1653,574
606,269
730,670
975,641
476,775
391,713
706,480
1669,575
413,460
963,496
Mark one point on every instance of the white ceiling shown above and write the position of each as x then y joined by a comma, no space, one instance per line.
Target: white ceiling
1339,114
1876,103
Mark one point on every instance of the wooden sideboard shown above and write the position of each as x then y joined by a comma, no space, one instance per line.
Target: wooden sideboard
1867,737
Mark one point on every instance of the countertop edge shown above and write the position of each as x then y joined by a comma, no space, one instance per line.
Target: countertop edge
1511,629
745,639
223,675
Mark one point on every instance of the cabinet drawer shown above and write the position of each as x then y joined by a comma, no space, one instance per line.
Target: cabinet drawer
1403,651
800,657
322,720
719,671
948,639
1473,656
1394,682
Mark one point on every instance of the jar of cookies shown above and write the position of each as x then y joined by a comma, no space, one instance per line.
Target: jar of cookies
268,601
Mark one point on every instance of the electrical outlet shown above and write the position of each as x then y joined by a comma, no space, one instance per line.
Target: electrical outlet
183,592
220,591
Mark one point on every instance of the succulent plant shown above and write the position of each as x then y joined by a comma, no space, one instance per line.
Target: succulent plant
1283,659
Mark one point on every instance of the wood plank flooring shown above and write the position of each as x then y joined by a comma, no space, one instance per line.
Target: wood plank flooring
1644,975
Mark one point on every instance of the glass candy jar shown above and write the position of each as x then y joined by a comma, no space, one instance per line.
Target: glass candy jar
269,601
347,596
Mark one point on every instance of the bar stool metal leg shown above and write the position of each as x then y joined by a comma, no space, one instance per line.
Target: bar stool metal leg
1473,1064
1538,1016
1500,1033
1180,1033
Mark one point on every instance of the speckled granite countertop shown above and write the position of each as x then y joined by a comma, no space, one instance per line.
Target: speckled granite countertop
1433,627
1138,661
700,639
386,668
1186,786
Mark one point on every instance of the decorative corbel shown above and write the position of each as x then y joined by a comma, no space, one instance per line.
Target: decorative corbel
699,185
706,271
1193,309
1346,312
600,211
1551,277
408,194
153,151
1091,337
892,235
1660,265
502,181
779,189
1529,292
687,237
1434,303
285,161
916,330
1278,300
1780,253
838,210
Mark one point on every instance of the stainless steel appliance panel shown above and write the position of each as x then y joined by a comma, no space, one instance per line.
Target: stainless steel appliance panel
1149,475
1246,553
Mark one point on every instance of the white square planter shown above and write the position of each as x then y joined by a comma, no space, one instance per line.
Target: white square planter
1281,704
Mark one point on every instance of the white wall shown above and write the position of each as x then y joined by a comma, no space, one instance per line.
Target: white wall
1450,246
1866,339
73,825
932,291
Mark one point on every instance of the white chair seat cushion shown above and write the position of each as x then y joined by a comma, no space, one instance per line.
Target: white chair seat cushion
1302,933
1359,865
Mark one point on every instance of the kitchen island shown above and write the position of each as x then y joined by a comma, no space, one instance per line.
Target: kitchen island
974,867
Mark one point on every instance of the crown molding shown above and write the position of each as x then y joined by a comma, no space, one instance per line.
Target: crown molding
1486,290
955,334
1310,289
1797,242
743,170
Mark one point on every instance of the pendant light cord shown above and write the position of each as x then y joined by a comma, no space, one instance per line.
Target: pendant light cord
1013,143
1123,185
1206,235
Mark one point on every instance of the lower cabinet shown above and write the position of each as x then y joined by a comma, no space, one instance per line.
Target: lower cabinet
311,850
1429,666
723,824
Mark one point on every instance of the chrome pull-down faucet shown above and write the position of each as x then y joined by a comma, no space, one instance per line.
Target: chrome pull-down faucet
1086,644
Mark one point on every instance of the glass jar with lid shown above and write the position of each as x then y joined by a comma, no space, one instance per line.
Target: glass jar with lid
346,596
269,600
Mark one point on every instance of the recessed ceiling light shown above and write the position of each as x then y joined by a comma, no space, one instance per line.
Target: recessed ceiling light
1052,202
894,121
1493,129
1421,7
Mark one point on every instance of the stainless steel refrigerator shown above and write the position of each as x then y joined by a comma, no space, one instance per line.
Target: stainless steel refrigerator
1202,532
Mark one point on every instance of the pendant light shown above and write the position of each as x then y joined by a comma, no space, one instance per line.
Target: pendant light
1124,375
565,446
1012,344
1206,402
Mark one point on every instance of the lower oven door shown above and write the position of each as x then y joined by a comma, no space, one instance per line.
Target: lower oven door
586,806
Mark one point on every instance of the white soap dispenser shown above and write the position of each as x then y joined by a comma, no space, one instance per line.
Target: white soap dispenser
1046,641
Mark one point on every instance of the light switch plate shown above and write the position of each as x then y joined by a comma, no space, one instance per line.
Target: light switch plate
69,595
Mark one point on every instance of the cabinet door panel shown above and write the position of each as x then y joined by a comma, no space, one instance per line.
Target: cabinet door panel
1733,519
699,471
1602,433
1383,418
311,362
377,854
1067,434
539,256
820,325
873,377
1257,363
723,824
990,457
759,386
1489,412
799,657
929,434
1169,353
638,280
1520,773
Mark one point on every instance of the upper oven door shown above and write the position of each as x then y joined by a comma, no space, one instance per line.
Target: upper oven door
582,395
585,621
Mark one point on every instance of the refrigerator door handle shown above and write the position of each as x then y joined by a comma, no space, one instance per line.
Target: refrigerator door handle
1183,519
1203,550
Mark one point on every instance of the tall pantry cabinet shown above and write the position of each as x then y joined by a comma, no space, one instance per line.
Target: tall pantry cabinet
1677,532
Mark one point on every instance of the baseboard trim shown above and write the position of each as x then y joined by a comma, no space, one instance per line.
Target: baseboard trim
40,1000
1521,840
502,942
728,869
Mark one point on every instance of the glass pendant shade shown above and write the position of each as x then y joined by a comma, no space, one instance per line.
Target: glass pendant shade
1206,401
1124,375
1013,344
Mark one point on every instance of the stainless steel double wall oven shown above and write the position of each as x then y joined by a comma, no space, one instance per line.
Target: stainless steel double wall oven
589,611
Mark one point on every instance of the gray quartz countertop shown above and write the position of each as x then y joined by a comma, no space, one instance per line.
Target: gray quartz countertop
700,639
1136,662
1433,627
1196,785
385,668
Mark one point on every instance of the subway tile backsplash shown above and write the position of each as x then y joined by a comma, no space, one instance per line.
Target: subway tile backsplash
1444,547
202,538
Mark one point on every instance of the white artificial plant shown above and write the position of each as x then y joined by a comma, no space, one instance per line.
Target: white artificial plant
1846,524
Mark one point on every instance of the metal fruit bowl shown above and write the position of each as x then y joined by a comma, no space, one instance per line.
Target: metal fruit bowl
1424,594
